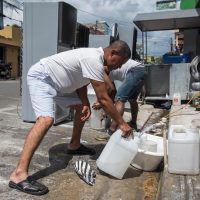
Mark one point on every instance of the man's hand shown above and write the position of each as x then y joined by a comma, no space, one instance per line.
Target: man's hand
107,103
96,106
86,112
126,129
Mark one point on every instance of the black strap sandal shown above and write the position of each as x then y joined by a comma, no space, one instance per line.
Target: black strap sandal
82,150
30,186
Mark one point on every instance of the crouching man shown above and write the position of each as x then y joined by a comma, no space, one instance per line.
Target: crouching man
64,77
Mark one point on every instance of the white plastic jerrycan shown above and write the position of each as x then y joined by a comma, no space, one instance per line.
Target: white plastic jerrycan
183,150
176,99
97,120
117,155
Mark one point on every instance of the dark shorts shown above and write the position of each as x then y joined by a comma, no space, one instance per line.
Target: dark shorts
132,85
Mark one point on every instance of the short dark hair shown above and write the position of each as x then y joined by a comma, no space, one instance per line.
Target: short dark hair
121,47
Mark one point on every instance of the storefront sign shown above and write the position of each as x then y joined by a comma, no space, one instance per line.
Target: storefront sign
164,5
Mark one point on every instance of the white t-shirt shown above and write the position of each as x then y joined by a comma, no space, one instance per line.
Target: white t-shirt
73,69
120,74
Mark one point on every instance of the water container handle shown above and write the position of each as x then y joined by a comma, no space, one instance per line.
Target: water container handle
173,127
130,137
180,127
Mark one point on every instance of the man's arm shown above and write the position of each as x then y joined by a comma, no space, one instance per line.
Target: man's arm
108,106
110,86
111,90
82,93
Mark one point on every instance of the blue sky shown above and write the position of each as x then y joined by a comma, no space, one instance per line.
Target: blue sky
123,13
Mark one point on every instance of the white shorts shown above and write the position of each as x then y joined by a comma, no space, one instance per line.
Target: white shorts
44,95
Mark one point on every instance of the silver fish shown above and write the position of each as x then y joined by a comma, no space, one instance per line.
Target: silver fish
85,172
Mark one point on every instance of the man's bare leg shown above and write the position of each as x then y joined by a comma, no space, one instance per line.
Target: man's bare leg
32,141
75,147
134,110
134,114
119,105
77,128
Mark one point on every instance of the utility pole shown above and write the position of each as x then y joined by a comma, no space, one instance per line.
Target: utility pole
171,45
1,14
96,27
134,43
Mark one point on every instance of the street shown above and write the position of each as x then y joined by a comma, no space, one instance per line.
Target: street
52,166
9,94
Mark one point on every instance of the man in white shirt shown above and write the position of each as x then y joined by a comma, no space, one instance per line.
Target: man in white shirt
132,74
64,78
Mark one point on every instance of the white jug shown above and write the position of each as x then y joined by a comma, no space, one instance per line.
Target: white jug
183,150
177,99
117,155
97,121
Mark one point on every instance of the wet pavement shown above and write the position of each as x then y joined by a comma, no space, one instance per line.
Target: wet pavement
52,165
181,186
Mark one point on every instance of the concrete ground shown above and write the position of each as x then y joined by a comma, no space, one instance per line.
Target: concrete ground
51,164
177,186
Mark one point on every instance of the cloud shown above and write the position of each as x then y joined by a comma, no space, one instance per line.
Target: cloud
113,11
123,13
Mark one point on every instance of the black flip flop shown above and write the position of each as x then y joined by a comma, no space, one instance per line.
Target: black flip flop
82,150
29,186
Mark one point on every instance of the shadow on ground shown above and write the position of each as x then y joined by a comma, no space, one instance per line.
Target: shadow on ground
59,159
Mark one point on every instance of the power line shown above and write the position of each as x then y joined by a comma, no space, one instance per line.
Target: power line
154,37
12,5
15,8
150,38
120,22
12,19
108,18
